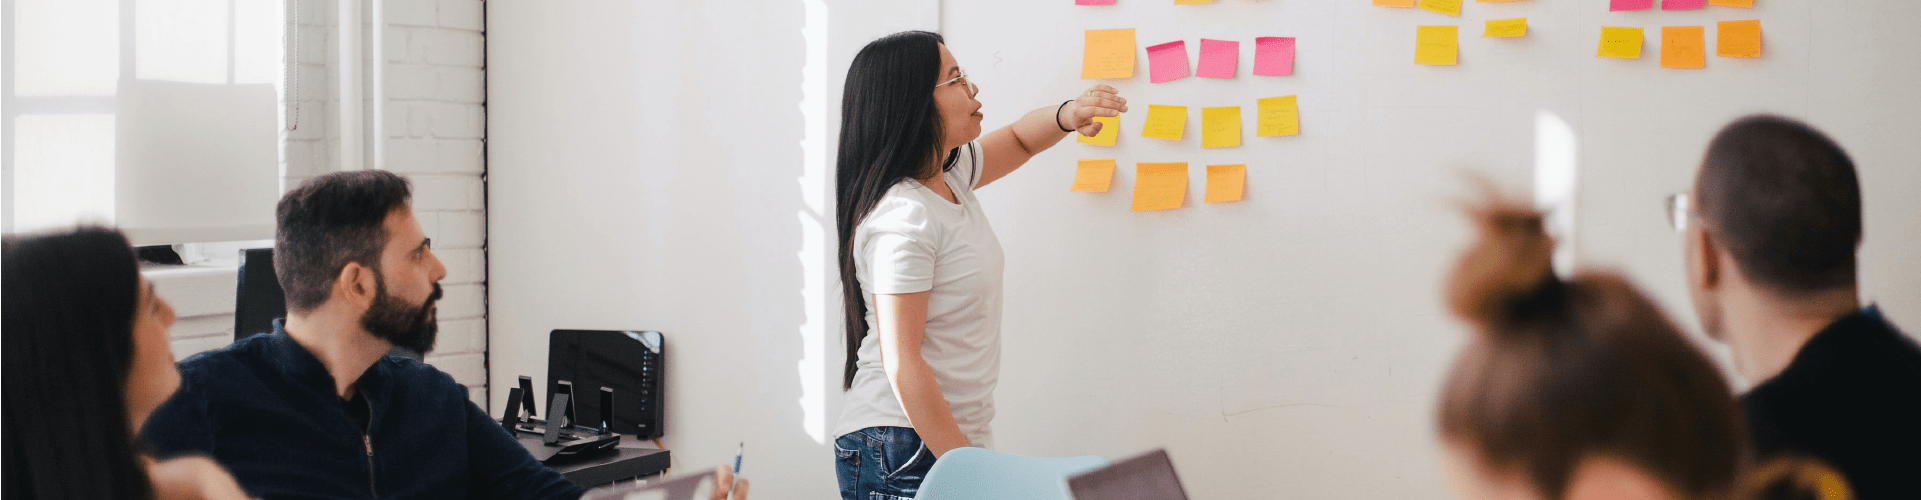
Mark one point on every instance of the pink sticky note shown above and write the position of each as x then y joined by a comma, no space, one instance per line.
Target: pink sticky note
1167,61
1219,58
1618,5
1683,4
1274,56
1093,2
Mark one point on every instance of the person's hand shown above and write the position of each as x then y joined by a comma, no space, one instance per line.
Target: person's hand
1099,100
192,478
724,485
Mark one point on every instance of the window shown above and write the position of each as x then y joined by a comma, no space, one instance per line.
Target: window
61,62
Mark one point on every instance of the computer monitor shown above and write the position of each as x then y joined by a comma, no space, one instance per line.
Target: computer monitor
258,299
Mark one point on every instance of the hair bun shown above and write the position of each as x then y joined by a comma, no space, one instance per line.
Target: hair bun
1508,269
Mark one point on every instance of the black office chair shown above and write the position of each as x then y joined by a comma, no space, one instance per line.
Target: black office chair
258,300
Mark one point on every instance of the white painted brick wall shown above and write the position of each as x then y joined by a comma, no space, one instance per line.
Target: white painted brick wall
435,125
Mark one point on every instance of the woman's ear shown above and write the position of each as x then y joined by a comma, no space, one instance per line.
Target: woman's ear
1706,252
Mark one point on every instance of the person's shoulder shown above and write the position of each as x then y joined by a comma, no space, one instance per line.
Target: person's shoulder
422,379
900,207
226,362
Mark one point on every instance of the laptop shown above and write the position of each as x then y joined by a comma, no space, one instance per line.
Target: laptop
1149,476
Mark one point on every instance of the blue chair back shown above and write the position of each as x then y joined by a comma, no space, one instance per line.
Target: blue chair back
978,474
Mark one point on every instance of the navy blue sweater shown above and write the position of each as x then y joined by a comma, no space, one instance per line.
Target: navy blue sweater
265,408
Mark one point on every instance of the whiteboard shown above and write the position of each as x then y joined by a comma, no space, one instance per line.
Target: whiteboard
1292,344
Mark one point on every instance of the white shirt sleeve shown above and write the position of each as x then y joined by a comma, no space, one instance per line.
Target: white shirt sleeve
897,248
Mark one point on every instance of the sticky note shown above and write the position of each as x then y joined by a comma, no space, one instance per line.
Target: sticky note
1620,5
1219,58
1449,7
1732,3
1393,3
1506,28
1167,61
1093,2
1274,56
1110,131
1192,2
1109,54
1738,39
1225,183
1498,1
1683,4
1278,116
1684,47
1437,45
1221,127
1093,176
1159,186
1623,43
1165,122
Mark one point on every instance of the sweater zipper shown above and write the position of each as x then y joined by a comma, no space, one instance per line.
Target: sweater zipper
366,438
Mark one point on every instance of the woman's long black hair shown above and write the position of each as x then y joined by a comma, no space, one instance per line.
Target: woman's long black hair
889,130
69,305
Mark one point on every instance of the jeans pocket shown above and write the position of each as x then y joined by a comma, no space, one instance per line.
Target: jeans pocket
919,461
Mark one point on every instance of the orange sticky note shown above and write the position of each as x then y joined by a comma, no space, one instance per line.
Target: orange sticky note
1108,54
1165,122
1506,28
1732,3
1093,176
1278,116
1622,43
1449,7
1437,45
1221,127
1225,183
1393,3
1159,186
1110,131
1738,39
1684,47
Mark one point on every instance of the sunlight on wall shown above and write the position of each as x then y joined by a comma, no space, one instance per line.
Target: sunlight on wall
1556,178
813,223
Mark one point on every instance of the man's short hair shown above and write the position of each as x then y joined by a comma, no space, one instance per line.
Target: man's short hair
1784,200
329,221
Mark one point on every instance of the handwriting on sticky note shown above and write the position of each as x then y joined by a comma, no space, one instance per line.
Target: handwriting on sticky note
1506,28
1225,183
1167,61
1622,43
1684,47
1221,127
1683,4
1449,7
1109,54
1093,2
1093,176
1437,45
1620,5
1219,59
1732,3
1278,116
1393,3
1159,186
1738,38
1165,122
1274,56
1110,131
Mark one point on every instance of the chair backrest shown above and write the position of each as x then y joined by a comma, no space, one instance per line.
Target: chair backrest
258,299
978,474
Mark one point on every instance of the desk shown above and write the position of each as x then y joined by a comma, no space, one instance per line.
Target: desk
622,463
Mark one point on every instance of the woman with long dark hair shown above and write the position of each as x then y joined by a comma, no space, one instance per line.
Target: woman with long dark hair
920,269
87,359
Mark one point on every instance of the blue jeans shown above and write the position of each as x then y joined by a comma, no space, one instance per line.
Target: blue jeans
881,463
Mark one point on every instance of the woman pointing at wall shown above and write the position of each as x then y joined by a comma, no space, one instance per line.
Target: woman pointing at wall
920,269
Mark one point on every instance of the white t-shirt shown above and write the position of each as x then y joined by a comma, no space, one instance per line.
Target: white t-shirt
917,241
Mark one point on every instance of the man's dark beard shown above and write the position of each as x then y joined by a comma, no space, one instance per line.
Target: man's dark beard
398,322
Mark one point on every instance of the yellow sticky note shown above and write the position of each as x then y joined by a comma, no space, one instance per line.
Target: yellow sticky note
1221,127
1192,2
1437,45
1159,186
1093,176
1278,116
1165,122
1732,3
1738,39
1225,183
1684,47
1624,43
1449,7
1109,54
1110,131
1506,28
1393,3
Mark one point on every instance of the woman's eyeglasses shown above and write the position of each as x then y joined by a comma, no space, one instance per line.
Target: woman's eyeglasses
962,80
